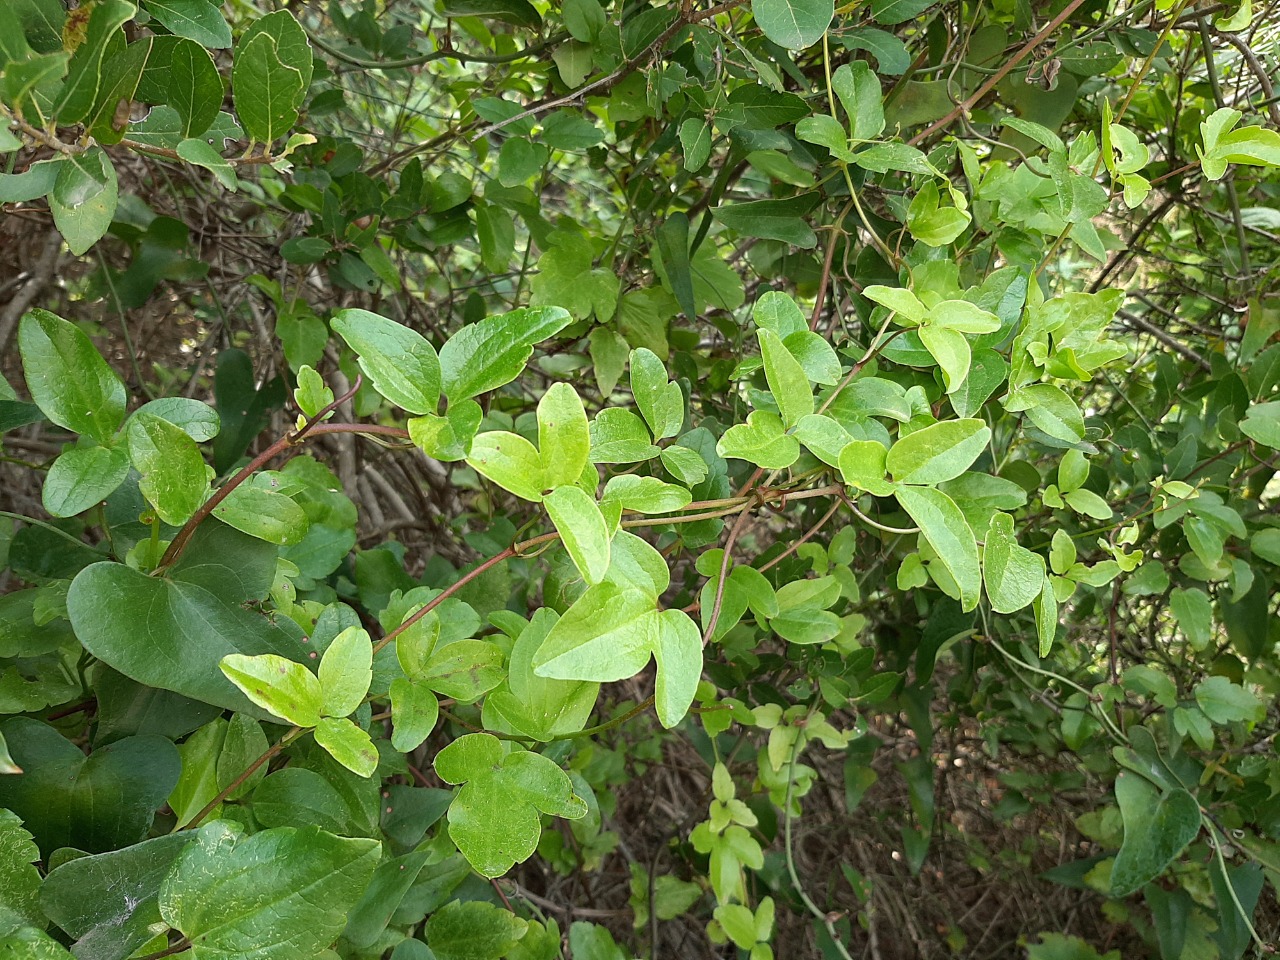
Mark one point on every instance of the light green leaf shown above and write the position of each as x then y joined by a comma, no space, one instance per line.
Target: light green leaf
82,477
678,653
174,479
862,465
660,402
564,439
483,356
1046,611
510,461
1050,409
84,198
646,494
951,350
1225,702
902,302
607,635
794,24
787,379
447,438
823,437
859,92
963,316
346,670
67,377
943,525
619,436
197,151
400,363
414,712
198,420
347,744
826,131
257,508
1088,503
18,856
1014,576
197,20
1261,423
283,892
762,440
282,687
494,818
582,527
608,352
939,452
1156,829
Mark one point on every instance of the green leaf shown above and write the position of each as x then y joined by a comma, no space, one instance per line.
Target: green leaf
607,635
346,670
399,362
1225,702
1014,576
197,20
794,24
18,855
87,70
1261,423
283,688
483,356
1088,503
82,477
1050,409
270,76
494,818
447,438
951,350
283,892
464,670
258,509
773,219
519,13
196,151
414,712
646,494
102,802
582,527
198,420
762,440
110,902
347,744
898,11
677,650
823,437
1046,611
171,632
685,465
473,930
932,224
564,439
67,377
862,465
1156,829
859,92
937,453
173,478
510,461
84,197
660,402
787,379
943,525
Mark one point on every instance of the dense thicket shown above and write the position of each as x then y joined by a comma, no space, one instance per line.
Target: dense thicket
493,478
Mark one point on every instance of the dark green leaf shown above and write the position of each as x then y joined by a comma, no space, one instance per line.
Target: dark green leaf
68,378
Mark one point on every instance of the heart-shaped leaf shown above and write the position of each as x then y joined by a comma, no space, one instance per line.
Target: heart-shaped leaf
101,802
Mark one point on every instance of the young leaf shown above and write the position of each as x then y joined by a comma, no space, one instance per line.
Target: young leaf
447,438
862,465
259,510
678,653
608,634
762,440
283,688
401,365
483,356
619,436
68,379
494,818
346,670
951,350
510,461
582,527
347,744
646,494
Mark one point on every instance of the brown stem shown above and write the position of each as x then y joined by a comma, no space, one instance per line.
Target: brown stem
964,106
